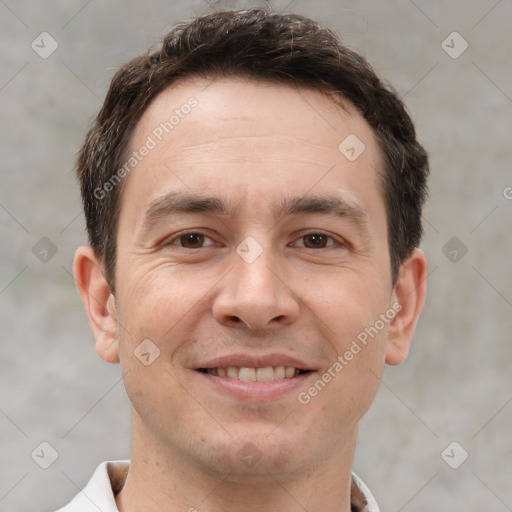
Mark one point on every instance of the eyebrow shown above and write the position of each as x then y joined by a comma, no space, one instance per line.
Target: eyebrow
329,205
176,202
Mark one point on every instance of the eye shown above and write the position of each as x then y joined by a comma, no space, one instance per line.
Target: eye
316,241
191,240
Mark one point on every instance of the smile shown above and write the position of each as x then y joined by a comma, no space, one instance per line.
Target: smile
265,374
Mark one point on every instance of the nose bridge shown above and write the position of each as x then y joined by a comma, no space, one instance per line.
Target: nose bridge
255,278
254,293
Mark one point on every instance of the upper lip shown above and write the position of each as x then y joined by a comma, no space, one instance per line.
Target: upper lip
255,361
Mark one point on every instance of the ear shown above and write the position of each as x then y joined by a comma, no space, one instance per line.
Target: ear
98,301
409,296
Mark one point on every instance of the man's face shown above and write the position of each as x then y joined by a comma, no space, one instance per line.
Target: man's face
247,239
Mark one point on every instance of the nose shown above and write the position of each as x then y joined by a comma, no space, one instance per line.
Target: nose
257,295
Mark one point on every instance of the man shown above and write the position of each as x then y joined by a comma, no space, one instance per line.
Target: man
253,197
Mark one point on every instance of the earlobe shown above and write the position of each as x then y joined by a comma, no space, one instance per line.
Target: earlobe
410,292
99,303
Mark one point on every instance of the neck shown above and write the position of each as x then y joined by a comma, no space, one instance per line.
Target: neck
165,479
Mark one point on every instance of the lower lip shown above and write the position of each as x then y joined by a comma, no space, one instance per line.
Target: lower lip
256,390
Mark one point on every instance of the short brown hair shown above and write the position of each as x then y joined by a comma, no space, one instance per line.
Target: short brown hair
259,45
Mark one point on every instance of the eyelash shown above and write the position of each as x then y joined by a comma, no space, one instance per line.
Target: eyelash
321,233
335,242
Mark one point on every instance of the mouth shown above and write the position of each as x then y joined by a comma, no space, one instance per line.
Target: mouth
261,374
254,377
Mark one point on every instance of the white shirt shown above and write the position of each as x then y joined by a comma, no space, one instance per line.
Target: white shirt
99,493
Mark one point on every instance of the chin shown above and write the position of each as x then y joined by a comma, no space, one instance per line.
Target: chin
253,459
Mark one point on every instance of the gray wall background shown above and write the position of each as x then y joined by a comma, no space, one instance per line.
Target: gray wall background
456,384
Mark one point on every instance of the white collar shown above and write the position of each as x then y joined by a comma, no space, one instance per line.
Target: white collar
98,494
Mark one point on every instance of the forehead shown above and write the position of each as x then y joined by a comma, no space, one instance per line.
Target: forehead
253,138
203,111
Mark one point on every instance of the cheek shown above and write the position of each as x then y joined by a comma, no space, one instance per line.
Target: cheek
160,311
156,300
350,314
353,380
155,397
346,304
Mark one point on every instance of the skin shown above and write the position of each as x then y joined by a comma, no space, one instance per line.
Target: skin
251,144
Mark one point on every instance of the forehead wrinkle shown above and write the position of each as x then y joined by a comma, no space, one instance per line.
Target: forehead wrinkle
271,141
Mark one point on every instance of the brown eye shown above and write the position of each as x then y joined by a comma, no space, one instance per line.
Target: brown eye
192,240
315,241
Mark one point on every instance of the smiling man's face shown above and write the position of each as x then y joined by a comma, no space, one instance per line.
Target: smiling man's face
252,253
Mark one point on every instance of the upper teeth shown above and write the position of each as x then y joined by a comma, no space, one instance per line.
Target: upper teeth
266,374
